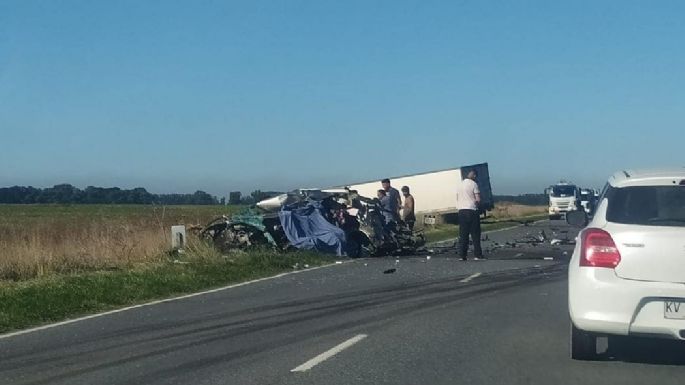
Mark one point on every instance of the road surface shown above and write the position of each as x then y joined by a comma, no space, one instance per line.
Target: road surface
428,321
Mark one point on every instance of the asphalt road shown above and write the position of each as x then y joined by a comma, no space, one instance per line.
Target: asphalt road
429,321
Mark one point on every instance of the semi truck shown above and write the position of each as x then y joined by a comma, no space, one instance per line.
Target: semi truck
564,197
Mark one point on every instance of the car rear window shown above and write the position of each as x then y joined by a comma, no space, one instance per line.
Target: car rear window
647,205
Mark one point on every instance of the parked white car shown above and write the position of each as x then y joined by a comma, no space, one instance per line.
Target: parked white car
627,273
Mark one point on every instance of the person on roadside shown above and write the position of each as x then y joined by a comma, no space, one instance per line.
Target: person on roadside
387,208
468,200
408,215
394,195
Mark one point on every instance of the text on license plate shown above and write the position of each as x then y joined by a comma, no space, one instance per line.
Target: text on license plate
674,310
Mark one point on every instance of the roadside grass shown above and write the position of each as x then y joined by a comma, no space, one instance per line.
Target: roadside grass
448,231
57,297
40,240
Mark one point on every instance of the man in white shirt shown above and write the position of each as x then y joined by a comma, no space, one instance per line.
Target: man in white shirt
468,200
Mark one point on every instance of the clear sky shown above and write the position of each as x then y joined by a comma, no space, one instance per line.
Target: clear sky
223,95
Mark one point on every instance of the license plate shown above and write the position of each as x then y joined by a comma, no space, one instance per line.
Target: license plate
674,310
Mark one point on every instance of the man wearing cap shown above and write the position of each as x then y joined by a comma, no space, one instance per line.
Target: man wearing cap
408,215
468,199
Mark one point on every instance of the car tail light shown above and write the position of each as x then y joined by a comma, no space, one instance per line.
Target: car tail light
597,249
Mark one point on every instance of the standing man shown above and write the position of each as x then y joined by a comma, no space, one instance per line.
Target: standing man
468,199
386,206
408,215
394,195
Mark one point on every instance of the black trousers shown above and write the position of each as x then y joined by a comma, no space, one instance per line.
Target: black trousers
410,221
469,224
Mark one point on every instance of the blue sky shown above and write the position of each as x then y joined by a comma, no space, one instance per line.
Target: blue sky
222,95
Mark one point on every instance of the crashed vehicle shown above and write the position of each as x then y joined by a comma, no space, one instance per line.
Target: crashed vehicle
336,221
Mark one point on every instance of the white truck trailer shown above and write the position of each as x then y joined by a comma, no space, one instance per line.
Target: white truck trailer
434,191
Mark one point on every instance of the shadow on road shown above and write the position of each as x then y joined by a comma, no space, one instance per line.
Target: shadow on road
645,351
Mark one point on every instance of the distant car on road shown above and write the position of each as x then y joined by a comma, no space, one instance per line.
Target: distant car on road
627,273
587,200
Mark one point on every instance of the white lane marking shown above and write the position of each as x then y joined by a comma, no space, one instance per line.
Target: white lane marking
329,353
470,277
70,321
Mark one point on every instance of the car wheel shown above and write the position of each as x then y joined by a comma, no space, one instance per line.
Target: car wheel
583,344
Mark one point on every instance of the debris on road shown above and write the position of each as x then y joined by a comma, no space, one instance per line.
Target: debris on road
389,271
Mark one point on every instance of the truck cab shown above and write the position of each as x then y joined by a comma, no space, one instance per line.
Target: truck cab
564,197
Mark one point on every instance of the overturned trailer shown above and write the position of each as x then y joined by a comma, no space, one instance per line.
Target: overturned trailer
435,191
337,221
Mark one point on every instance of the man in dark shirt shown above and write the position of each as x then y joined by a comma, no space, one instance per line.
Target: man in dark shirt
386,206
394,195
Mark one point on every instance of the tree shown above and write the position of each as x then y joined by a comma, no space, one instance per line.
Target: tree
66,193
248,200
259,195
234,198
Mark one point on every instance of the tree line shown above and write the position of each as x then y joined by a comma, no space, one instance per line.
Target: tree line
68,194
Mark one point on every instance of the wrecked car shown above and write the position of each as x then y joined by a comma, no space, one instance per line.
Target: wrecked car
337,221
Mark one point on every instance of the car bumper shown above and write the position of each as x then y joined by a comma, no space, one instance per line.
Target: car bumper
601,302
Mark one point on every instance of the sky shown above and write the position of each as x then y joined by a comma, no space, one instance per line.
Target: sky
177,96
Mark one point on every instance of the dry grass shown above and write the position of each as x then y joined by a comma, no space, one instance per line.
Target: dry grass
38,240
507,210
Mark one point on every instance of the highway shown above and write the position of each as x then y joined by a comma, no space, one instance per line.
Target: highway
406,320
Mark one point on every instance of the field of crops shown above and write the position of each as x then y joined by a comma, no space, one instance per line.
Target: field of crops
36,240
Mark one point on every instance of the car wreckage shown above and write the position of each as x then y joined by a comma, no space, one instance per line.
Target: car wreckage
337,221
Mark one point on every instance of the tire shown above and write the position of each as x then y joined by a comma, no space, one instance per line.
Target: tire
583,345
554,217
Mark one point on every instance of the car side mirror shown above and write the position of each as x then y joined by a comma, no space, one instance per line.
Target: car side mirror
577,218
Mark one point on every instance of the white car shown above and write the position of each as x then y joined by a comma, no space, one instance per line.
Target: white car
627,273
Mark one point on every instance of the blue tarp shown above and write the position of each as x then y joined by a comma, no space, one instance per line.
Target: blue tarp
306,228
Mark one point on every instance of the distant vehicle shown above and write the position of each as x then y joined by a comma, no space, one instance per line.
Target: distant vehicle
587,200
564,197
627,273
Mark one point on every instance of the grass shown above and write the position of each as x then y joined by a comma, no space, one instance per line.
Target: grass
504,215
58,297
40,240
447,231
